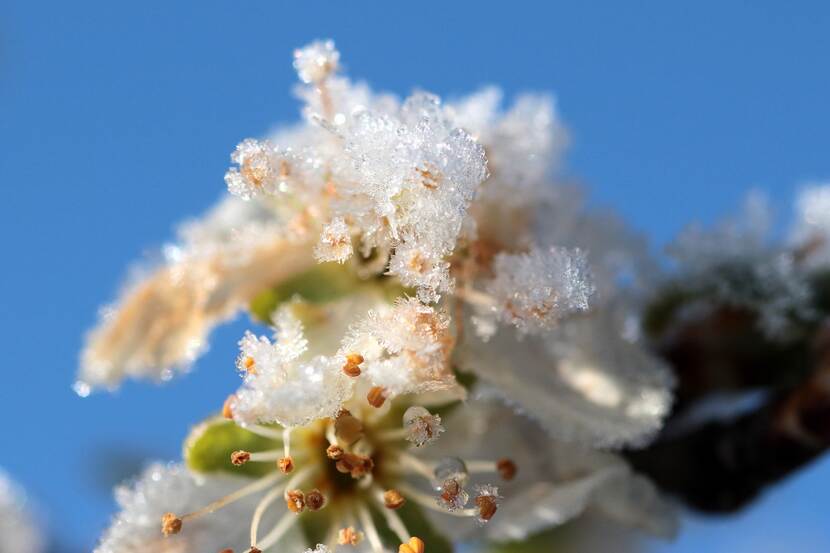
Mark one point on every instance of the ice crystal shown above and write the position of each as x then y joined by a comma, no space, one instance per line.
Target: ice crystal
316,61
534,290
335,242
279,385
416,175
422,427
406,348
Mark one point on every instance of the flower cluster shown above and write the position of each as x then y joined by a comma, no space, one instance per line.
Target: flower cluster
441,347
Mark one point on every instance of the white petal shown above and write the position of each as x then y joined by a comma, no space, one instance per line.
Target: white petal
172,488
584,383
544,505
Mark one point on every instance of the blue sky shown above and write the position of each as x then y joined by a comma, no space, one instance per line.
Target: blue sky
117,120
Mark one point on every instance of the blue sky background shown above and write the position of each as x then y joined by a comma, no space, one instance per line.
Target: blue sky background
117,120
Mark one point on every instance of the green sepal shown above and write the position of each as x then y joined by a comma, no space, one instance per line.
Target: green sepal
323,283
417,524
209,446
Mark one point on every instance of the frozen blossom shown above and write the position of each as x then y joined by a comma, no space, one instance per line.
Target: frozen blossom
433,237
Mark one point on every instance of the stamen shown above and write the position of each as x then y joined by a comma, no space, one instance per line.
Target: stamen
286,442
392,519
352,366
286,465
507,469
295,501
227,412
370,529
376,397
284,525
335,452
269,498
244,491
263,504
356,465
417,466
170,524
239,458
248,363
331,436
428,501
347,428
315,500
422,427
487,501
349,536
413,545
392,499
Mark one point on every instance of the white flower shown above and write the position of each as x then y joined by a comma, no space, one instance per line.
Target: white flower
19,532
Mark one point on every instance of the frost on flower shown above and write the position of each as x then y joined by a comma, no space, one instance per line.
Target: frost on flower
534,290
280,385
421,426
162,320
395,200
583,383
172,488
316,61
19,531
405,348
335,242
413,178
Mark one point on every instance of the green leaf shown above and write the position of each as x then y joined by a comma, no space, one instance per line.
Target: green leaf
321,284
417,524
209,446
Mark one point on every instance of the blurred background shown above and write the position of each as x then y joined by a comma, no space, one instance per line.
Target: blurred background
117,120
